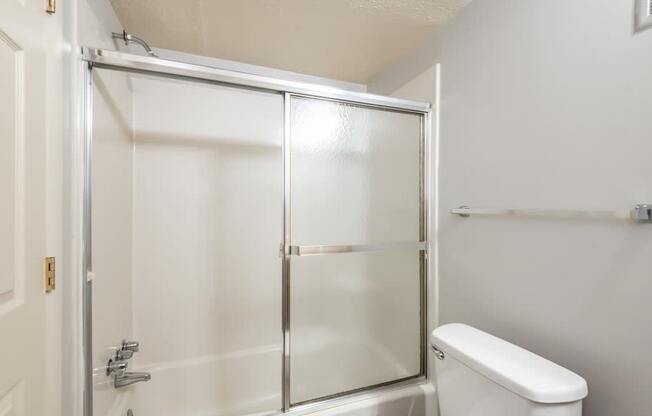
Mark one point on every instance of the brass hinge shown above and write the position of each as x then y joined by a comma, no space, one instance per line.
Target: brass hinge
51,7
50,274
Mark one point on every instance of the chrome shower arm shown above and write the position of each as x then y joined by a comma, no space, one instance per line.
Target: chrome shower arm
129,38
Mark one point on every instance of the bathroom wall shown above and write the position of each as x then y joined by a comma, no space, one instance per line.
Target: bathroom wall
545,105
95,20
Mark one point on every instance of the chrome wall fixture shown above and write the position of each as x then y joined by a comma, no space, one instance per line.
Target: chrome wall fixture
642,15
117,366
98,58
129,38
641,213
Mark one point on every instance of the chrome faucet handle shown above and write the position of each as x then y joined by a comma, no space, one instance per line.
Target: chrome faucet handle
130,346
122,355
117,367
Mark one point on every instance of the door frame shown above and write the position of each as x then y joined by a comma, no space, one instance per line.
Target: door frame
112,60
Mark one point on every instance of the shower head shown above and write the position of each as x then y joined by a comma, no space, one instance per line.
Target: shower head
129,38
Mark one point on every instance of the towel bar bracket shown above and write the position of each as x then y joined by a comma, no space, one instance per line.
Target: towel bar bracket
642,213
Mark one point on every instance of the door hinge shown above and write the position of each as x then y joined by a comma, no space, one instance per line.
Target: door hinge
50,274
51,7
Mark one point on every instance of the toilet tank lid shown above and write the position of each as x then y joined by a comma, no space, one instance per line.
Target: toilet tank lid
517,369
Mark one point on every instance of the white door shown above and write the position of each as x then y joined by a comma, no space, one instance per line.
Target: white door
30,133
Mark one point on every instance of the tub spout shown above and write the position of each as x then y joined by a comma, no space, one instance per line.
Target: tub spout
128,378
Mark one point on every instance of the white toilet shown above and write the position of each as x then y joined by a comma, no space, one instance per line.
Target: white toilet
481,375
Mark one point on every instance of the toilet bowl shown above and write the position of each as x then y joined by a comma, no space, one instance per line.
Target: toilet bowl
478,374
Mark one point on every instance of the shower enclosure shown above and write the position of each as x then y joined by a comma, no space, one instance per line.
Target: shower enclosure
264,242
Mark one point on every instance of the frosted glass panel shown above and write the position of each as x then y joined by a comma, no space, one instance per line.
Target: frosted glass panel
354,174
354,321
355,318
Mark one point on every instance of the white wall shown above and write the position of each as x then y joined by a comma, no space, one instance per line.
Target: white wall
544,105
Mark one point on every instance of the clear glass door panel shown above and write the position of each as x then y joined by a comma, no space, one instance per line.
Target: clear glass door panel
187,218
354,173
355,321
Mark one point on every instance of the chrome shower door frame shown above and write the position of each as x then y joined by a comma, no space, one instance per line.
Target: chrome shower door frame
112,60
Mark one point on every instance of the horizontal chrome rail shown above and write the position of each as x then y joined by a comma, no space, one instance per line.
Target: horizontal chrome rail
137,63
641,213
358,248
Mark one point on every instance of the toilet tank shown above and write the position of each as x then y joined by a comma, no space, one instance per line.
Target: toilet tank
478,374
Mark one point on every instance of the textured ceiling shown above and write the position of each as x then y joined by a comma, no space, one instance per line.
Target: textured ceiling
349,40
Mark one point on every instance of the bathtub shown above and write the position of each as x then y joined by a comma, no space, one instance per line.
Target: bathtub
409,400
213,386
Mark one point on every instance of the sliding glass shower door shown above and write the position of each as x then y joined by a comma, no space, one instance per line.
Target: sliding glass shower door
192,177
356,228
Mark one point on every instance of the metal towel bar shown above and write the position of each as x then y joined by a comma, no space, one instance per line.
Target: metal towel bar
641,213
359,248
